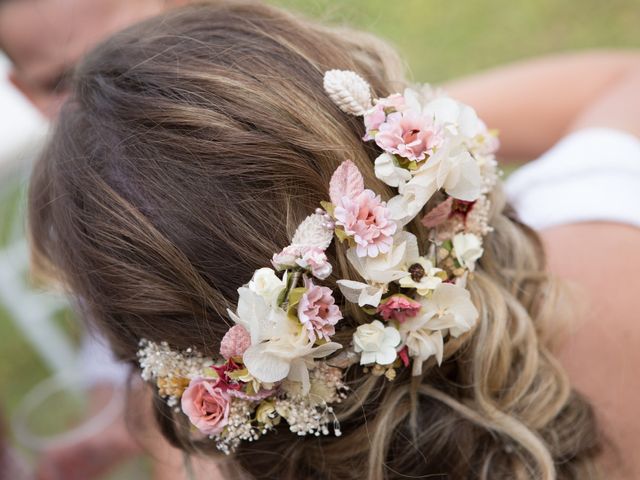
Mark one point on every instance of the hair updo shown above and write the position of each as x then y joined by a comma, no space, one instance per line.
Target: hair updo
192,146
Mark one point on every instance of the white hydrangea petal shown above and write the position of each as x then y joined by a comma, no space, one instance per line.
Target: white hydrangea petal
389,172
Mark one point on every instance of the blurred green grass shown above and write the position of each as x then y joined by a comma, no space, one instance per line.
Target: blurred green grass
443,39
439,40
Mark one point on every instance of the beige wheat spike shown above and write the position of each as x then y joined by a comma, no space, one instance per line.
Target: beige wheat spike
348,90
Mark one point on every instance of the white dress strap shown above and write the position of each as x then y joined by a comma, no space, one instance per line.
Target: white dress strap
590,175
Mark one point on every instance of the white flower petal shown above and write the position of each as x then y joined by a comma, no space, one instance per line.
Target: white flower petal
361,293
464,181
367,358
299,373
263,366
386,356
387,170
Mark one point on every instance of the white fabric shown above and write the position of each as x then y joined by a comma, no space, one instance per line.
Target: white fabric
97,363
590,175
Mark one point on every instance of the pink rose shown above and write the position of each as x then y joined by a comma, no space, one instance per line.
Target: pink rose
235,342
366,218
398,307
206,405
315,260
408,134
318,312
378,114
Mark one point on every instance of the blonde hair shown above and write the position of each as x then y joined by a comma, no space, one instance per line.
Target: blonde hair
192,146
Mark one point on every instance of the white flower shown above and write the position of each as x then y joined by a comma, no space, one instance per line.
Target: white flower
280,348
289,356
267,284
450,307
422,344
261,319
361,293
387,170
453,169
379,271
413,196
467,248
376,342
450,310
422,276
316,260
457,118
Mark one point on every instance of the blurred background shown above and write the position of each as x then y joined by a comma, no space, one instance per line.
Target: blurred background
439,39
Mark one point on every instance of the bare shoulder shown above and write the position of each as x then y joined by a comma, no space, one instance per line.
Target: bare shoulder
602,352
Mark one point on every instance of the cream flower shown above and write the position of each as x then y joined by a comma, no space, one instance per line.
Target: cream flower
422,275
267,284
468,249
376,342
422,344
280,347
290,356
450,310
457,118
378,272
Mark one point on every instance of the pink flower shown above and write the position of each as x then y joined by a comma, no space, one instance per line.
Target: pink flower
398,307
316,260
377,115
318,312
366,218
235,342
286,258
206,405
408,134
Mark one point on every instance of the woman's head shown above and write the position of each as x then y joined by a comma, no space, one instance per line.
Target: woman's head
191,148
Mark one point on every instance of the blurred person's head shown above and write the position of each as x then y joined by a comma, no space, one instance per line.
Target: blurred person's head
191,147
44,39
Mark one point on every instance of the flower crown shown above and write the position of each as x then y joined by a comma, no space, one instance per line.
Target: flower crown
278,362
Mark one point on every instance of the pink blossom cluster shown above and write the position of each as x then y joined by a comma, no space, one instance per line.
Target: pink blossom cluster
366,218
401,130
206,401
318,312
313,259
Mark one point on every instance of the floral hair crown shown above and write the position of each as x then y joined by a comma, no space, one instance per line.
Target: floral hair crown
278,362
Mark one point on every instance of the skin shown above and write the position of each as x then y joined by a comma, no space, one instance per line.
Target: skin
534,104
45,39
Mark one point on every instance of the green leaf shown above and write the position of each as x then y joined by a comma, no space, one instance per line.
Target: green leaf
328,207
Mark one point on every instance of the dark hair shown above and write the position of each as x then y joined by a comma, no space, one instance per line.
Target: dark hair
191,147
